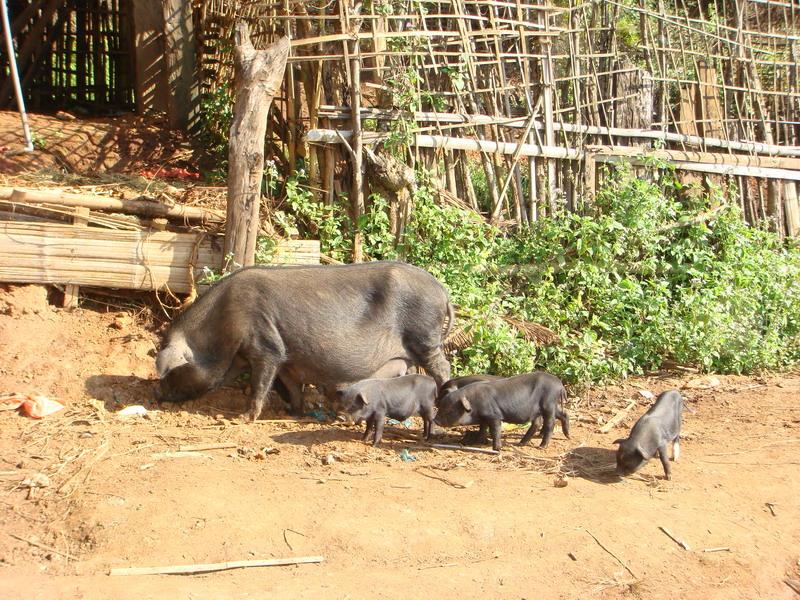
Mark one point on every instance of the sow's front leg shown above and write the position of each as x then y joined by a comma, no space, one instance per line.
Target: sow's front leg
431,358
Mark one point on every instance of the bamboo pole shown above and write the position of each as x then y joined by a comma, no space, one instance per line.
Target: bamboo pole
519,123
356,143
104,203
14,77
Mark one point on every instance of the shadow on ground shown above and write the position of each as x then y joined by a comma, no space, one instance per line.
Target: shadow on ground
593,464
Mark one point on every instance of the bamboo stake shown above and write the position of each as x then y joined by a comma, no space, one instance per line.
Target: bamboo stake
357,143
212,567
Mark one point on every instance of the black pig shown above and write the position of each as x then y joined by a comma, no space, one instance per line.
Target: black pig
320,325
519,399
660,425
372,400
459,382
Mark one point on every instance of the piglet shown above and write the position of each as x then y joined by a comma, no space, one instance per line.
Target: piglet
458,382
372,400
660,425
519,399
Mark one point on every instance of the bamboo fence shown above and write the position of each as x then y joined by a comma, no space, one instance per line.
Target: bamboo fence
532,94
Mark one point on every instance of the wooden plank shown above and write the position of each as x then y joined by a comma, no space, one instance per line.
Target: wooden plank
142,260
183,88
72,291
150,58
710,108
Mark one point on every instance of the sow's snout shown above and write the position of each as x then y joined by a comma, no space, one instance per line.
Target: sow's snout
179,379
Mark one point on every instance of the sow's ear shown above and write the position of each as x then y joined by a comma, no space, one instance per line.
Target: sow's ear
619,441
362,398
467,406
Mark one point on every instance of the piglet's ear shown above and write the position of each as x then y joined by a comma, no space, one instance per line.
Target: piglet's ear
467,406
363,399
619,441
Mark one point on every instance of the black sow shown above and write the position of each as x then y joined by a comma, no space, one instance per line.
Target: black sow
324,325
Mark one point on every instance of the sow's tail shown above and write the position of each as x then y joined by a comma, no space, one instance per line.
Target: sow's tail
562,398
451,320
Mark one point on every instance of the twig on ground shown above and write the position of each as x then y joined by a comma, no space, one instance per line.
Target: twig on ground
464,448
287,541
617,417
210,567
678,541
160,455
42,546
771,507
617,558
199,447
455,484
438,566
724,549
128,451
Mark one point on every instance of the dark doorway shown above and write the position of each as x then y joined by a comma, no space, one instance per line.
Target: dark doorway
75,55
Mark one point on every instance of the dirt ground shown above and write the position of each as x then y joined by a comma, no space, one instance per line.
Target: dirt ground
446,525
87,145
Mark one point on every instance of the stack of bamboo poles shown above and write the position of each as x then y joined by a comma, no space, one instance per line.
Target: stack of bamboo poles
114,243
517,92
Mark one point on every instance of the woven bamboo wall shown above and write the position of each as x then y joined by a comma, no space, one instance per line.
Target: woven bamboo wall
456,81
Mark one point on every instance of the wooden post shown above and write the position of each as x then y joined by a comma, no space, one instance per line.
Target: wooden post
549,115
589,181
71,290
356,143
775,206
183,92
791,208
258,75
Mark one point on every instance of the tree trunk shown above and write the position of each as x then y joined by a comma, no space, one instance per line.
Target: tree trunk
258,76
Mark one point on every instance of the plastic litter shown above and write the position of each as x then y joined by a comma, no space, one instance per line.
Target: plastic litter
132,411
321,415
408,423
34,406
406,456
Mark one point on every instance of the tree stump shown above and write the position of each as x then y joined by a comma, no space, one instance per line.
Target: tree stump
258,76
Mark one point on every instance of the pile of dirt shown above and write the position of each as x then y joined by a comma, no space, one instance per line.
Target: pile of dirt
18,300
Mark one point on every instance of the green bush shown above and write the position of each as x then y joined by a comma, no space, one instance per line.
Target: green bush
647,276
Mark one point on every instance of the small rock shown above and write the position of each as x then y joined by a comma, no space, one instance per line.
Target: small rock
647,394
703,383
560,481
328,460
64,116
36,480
